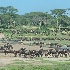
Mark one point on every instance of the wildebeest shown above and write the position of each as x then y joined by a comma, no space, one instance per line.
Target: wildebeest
8,46
1,49
39,53
30,53
21,51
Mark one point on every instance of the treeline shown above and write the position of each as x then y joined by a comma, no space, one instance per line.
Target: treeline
10,19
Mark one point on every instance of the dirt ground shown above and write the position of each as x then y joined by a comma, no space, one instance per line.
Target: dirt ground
33,61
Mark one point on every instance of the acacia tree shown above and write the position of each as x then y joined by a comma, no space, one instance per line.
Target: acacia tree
58,14
12,12
8,15
3,10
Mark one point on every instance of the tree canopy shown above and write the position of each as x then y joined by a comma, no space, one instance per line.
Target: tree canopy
10,18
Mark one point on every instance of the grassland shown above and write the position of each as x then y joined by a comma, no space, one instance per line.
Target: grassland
48,65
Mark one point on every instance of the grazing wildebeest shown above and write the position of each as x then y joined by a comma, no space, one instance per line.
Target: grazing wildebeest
30,53
1,49
51,52
8,46
39,53
33,53
54,53
22,51
66,52
62,52
8,51
27,53
15,53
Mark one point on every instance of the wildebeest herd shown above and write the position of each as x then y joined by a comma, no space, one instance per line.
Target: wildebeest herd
56,52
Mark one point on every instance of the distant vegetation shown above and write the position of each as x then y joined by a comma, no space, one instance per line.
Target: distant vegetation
34,24
10,19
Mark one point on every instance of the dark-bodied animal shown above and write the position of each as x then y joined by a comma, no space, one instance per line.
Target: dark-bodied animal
1,49
8,46
22,51
30,53
39,53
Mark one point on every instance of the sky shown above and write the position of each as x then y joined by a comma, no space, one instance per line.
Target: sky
26,6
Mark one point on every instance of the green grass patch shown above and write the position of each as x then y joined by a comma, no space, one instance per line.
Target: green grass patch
55,66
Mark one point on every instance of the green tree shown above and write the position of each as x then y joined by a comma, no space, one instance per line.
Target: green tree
58,14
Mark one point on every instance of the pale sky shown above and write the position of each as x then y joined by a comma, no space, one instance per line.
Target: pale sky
26,6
